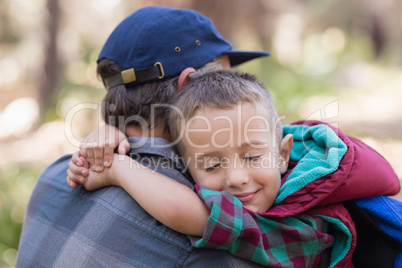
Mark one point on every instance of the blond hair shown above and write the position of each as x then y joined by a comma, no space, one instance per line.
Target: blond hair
221,90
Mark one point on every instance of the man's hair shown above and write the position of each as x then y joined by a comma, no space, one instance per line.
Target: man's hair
131,105
221,90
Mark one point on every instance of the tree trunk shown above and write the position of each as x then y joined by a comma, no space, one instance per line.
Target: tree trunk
49,78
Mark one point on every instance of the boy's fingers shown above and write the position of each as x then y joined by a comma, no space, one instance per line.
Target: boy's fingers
108,156
71,183
124,147
91,158
76,179
98,155
85,163
76,170
83,152
76,159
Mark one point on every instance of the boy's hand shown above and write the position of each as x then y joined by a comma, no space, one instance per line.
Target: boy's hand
97,180
78,170
98,147
78,173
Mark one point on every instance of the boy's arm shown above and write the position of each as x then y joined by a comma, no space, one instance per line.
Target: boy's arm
265,240
168,201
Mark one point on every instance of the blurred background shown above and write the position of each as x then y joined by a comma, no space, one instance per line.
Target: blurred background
338,61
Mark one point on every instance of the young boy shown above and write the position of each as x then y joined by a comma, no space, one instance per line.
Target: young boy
231,140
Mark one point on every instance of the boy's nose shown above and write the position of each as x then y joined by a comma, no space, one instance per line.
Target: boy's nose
237,177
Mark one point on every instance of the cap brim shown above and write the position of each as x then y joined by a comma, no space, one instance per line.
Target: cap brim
240,56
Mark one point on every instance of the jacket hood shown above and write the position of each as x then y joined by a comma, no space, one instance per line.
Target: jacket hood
327,166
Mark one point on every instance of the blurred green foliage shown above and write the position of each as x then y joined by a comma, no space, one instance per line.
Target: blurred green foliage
16,184
290,84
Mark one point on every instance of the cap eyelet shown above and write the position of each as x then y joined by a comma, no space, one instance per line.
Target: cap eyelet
177,49
198,42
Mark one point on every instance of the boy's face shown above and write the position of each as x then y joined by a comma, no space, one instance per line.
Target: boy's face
235,150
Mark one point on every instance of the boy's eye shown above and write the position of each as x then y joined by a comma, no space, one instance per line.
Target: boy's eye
251,158
212,168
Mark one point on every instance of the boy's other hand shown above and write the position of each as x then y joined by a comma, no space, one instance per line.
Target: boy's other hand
78,170
98,147
97,180
79,173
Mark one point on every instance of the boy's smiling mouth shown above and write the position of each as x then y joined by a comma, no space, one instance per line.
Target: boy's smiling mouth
245,197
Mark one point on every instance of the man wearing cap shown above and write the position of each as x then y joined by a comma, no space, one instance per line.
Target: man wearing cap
67,227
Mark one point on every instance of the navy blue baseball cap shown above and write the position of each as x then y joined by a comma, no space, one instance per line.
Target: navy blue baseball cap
159,42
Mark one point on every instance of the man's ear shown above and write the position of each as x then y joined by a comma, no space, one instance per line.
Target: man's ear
286,148
183,78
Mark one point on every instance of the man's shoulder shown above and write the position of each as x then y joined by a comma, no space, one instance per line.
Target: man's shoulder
57,167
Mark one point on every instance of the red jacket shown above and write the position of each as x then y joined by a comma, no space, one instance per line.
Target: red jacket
362,173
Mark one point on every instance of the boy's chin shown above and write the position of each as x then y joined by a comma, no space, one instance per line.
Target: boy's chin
254,208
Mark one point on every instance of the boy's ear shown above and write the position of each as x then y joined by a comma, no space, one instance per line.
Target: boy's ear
286,148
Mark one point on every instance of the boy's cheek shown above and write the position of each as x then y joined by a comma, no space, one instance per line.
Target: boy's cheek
191,166
197,177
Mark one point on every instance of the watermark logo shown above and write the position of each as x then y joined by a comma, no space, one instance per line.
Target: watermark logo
231,127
